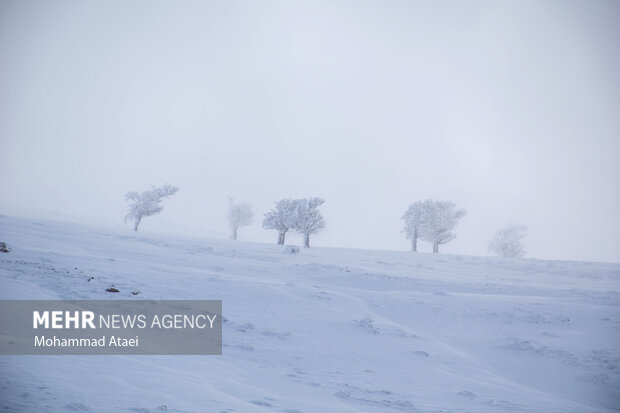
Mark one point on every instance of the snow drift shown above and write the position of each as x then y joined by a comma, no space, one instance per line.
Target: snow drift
322,330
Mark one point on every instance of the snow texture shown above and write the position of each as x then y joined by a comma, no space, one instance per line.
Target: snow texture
328,330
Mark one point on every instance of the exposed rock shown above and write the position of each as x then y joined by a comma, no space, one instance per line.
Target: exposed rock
291,249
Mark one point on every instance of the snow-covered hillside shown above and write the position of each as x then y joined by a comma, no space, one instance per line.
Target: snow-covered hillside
326,330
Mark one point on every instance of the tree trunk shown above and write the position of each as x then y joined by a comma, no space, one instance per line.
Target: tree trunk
435,247
234,233
306,240
281,238
136,223
414,241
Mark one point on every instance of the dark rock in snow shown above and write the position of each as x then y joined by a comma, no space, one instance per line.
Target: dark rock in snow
369,324
112,290
291,249
3,247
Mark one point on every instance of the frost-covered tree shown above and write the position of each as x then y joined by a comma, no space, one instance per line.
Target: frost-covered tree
508,241
308,219
414,218
147,203
440,218
281,218
239,215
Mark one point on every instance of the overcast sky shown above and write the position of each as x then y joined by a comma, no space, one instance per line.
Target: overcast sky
509,109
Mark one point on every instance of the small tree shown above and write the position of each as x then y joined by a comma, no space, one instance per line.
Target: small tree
308,219
147,203
440,219
281,218
239,215
507,242
414,218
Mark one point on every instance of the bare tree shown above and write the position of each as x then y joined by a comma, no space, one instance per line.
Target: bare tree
440,218
414,218
508,241
308,219
281,218
147,203
239,215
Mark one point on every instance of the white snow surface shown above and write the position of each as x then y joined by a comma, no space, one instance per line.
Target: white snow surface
325,330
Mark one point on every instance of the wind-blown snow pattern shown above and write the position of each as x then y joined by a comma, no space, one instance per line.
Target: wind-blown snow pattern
323,330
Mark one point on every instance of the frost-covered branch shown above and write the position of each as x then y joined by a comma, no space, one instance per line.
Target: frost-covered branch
508,241
432,221
239,215
147,203
281,218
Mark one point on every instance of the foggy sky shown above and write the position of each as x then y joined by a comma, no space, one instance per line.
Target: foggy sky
509,109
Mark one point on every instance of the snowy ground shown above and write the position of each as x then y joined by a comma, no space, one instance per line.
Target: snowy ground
328,330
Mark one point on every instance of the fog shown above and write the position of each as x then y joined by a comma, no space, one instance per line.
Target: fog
509,109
